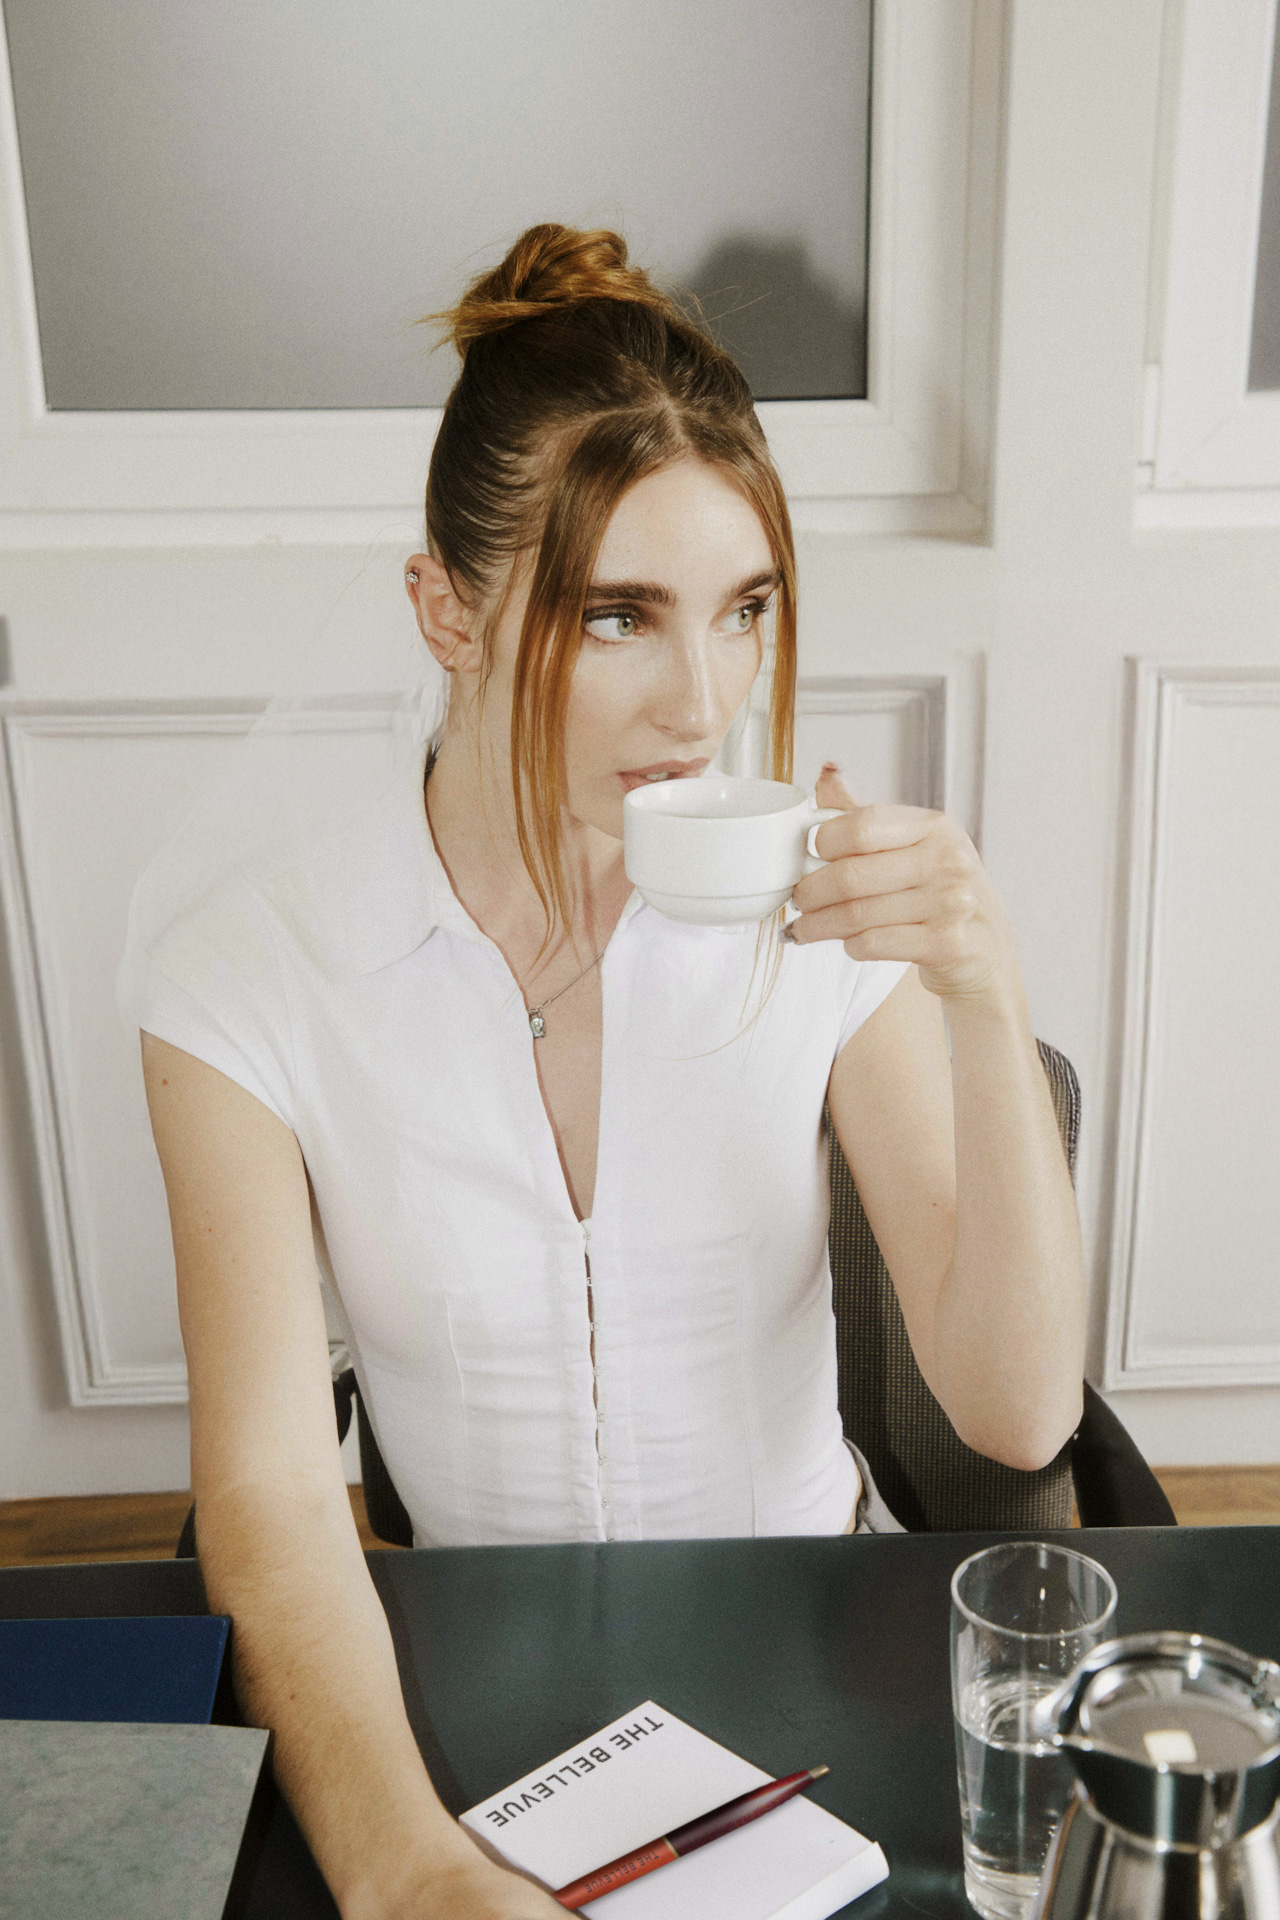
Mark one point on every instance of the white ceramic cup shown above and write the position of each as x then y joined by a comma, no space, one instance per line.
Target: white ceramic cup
719,851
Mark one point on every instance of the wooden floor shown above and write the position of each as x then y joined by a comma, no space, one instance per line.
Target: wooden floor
1223,1496
112,1526
145,1526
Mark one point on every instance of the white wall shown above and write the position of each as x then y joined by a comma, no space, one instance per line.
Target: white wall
1067,591
128,626
1064,592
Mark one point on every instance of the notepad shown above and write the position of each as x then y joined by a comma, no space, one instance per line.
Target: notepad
647,1773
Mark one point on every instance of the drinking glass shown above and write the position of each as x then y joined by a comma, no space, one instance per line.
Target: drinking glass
1022,1615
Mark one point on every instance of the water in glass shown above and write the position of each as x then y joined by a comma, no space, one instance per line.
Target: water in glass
1013,1790
1022,1614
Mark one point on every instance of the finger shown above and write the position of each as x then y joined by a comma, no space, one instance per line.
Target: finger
846,918
859,877
874,829
891,943
832,789
903,941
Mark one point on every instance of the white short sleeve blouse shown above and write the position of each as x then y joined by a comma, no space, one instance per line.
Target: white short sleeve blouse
666,1369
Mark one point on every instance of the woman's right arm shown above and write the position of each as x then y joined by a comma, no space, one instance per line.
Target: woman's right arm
278,1547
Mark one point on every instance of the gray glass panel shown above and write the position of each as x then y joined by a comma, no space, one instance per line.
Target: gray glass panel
248,203
1264,355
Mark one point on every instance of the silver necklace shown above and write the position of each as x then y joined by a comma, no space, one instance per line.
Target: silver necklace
537,1025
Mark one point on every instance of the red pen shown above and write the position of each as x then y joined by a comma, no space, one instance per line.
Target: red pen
695,1833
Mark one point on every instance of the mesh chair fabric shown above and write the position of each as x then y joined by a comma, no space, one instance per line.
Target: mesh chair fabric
931,1480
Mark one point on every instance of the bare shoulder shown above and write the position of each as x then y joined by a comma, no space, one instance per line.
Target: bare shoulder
231,1166
195,1108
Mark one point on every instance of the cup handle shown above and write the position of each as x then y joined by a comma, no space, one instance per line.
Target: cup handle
819,816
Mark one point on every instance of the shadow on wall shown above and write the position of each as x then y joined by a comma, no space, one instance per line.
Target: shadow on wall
792,333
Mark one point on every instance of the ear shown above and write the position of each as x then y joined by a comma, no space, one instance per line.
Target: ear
444,619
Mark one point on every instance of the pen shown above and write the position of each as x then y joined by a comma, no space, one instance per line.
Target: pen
695,1833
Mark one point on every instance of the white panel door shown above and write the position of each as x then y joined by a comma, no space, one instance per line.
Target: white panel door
1197,1281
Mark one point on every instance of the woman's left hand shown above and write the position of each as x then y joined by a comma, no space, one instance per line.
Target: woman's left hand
906,883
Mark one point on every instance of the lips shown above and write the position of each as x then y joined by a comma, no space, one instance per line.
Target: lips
662,770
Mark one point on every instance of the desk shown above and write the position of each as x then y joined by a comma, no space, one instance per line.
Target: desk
792,1652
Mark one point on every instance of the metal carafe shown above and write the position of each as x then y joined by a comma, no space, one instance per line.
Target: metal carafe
1175,1741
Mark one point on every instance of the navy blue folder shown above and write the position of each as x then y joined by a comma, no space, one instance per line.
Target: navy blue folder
155,1669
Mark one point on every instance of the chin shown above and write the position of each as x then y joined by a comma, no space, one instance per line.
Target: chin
602,815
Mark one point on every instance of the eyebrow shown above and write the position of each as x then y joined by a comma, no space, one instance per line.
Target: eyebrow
651,593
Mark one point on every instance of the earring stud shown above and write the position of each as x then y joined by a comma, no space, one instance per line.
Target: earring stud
412,576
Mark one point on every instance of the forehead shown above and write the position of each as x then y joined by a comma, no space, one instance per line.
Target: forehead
687,523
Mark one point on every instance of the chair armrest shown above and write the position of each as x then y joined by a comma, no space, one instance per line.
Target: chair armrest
383,1506
1114,1485
344,1386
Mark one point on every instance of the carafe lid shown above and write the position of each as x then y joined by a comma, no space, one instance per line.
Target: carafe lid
1175,1737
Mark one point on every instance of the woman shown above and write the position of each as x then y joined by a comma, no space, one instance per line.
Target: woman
564,1156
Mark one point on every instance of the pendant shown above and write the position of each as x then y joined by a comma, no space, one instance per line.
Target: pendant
537,1025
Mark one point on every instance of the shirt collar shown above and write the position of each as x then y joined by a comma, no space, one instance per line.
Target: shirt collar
365,896
371,894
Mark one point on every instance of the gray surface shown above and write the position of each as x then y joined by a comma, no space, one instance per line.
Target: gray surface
116,1819
1264,357
238,205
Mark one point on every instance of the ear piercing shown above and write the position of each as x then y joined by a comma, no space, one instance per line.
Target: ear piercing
412,576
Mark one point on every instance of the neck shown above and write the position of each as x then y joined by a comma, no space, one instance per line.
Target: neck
471,811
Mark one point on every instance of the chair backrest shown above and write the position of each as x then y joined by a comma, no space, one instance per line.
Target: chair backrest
931,1480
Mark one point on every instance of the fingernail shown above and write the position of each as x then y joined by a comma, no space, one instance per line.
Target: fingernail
789,932
829,766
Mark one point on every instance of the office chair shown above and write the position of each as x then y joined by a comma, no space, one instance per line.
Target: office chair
931,1480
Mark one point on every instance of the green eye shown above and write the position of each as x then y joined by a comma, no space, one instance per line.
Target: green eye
742,619
613,626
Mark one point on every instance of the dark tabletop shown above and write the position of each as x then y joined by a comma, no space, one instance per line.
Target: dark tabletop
791,1652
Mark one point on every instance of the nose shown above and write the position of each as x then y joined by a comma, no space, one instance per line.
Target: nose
689,704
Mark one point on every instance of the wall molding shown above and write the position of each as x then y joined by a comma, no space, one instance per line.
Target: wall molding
910,458
943,709
949,711
1159,694
919,701
95,1377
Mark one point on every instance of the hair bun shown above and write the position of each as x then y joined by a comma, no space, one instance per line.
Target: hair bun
548,267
